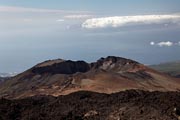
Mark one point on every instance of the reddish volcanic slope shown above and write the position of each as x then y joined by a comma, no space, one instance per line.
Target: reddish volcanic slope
107,75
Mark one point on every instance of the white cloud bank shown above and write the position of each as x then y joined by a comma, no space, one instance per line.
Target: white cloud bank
119,21
165,44
168,43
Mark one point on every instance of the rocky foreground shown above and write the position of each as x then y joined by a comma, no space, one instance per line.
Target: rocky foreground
83,105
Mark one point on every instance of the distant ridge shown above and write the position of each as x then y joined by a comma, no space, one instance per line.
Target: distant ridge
171,68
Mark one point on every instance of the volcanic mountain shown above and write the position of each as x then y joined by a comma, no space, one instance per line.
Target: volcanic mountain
107,75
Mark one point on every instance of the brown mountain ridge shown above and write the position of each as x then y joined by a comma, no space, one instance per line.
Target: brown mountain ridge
107,75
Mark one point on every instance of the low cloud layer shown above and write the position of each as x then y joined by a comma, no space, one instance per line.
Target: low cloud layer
119,21
165,44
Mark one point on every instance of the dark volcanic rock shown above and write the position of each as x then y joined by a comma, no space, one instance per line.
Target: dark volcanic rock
66,67
113,59
128,105
3,79
178,76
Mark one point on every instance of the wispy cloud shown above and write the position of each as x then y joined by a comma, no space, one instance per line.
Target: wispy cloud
74,17
119,21
24,9
165,43
152,43
60,20
83,16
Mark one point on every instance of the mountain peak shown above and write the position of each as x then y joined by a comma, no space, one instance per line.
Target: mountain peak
110,63
49,62
118,64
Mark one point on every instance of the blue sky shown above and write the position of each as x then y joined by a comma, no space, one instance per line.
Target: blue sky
37,30
102,6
